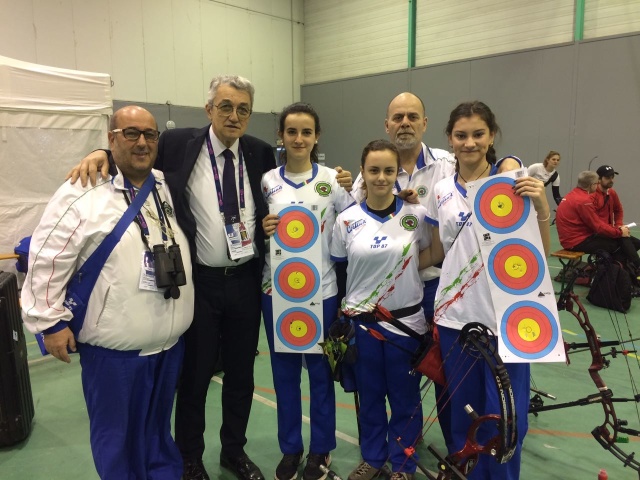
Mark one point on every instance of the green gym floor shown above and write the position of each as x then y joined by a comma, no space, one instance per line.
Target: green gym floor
559,444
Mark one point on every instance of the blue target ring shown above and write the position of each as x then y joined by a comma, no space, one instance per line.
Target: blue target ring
502,224
293,270
298,329
298,229
516,284
513,332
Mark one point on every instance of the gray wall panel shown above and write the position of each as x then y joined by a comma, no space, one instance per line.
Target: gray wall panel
607,113
441,88
352,114
579,99
327,99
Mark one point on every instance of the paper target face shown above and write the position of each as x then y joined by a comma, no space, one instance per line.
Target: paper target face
515,266
498,209
298,329
297,280
529,330
297,230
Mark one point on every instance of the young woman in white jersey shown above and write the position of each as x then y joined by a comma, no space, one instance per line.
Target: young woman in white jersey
547,173
463,293
302,180
380,239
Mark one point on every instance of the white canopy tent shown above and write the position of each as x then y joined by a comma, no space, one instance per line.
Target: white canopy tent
50,118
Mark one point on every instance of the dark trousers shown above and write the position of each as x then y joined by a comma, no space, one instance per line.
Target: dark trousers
624,249
226,319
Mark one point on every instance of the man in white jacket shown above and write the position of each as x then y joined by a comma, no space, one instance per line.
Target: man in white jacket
130,342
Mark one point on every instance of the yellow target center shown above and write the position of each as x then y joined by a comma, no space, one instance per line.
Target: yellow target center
295,229
501,205
297,280
515,266
528,329
298,328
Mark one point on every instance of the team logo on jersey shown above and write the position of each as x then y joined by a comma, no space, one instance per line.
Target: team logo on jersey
323,189
355,225
463,218
422,191
268,192
409,222
445,199
378,242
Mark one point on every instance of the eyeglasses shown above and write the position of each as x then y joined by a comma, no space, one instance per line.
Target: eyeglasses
226,109
133,134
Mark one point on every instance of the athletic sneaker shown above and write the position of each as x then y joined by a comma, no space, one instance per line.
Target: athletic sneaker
401,476
364,471
312,469
287,469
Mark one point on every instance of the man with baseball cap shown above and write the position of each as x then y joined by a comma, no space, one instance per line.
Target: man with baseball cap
581,229
608,205
606,199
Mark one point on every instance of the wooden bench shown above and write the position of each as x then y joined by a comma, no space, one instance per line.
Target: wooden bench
569,260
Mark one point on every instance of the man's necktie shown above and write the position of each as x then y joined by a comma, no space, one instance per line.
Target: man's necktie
229,191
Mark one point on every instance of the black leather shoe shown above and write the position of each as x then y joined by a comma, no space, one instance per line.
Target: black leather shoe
194,470
242,466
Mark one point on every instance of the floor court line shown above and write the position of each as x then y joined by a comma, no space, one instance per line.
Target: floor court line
305,419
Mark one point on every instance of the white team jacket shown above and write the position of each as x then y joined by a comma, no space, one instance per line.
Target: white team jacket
119,315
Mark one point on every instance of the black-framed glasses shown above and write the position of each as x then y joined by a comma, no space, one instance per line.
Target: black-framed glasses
226,109
133,134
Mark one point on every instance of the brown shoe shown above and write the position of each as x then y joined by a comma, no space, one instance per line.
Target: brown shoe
364,471
401,476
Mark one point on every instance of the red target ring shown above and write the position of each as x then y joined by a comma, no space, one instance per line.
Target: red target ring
298,329
297,230
297,280
529,330
515,266
498,208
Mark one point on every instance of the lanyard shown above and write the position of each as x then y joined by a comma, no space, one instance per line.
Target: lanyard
421,156
139,218
216,176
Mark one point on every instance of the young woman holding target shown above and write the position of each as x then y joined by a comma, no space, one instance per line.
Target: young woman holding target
302,180
463,293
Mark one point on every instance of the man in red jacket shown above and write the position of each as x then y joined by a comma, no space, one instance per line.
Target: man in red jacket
581,229
605,198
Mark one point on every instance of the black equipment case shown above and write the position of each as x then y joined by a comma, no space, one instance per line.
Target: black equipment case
16,400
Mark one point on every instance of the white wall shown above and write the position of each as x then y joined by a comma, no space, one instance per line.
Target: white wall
346,39
164,50
355,37
611,17
462,29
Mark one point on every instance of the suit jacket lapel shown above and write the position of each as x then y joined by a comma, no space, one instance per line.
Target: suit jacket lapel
194,145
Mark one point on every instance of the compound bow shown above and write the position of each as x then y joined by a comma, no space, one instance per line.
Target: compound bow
479,342
607,433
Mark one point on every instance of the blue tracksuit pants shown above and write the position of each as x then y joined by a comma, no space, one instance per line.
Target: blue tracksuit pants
129,400
287,371
382,372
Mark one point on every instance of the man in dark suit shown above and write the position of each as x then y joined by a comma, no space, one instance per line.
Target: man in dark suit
227,304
